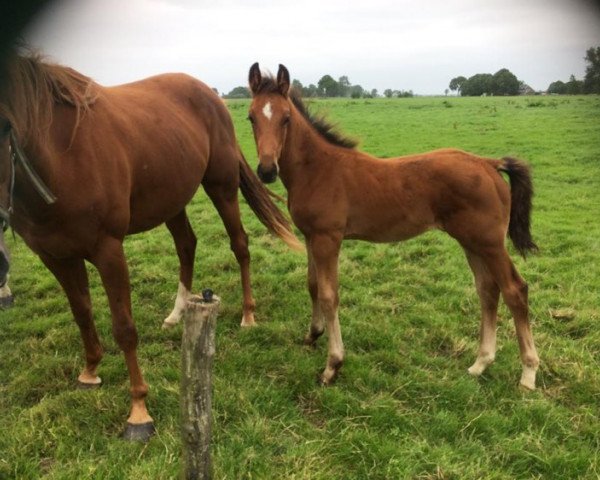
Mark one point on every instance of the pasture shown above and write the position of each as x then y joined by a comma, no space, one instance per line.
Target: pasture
403,405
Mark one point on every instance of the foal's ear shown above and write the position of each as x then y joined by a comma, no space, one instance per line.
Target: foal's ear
283,80
254,77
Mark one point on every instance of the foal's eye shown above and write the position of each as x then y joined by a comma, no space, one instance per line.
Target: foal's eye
285,120
250,118
6,128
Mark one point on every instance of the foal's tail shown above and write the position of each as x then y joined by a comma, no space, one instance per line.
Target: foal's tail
258,197
521,192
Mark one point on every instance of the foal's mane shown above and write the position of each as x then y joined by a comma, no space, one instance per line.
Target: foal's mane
32,87
324,127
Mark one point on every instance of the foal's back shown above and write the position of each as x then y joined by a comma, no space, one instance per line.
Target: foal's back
398,198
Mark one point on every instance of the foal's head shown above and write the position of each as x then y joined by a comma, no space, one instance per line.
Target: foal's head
270,117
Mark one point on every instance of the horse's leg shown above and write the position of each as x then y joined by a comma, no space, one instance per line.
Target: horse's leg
514,293
316,325
225,200
72,275
325,249
109,259
489,294
185,243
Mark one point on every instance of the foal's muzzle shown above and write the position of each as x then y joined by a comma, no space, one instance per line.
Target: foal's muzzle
267,174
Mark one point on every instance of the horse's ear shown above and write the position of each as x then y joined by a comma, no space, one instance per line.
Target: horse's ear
254,77
283,80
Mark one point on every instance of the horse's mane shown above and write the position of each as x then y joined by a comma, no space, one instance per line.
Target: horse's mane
32,87
324,127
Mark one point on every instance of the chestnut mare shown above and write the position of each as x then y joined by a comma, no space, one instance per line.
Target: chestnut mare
337,192
120,160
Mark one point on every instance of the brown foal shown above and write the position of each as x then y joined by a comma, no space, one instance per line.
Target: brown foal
119,161
336,192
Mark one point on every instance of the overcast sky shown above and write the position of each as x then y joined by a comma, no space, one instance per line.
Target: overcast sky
398,44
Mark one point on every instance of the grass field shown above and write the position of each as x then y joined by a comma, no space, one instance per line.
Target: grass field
403,406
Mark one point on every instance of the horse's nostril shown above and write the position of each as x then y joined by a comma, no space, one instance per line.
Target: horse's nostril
267,175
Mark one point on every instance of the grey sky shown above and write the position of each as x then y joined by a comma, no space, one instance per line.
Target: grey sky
379,44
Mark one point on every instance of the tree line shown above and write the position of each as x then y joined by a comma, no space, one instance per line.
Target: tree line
504,82
327,86
590,82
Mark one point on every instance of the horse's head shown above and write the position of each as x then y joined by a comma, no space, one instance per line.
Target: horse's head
270,118
6,175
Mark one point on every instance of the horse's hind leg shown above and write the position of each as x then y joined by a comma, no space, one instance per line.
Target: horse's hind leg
489,294
225,199
514,293
72,276
185,243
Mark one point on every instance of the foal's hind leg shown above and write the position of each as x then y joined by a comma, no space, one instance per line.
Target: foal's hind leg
72,276
489,294
185,243
325,249
225,200
514,293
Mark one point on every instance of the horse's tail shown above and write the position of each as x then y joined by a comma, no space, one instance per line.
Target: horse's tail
521,192
258,197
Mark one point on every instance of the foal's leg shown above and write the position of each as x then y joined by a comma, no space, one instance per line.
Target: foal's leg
316,325
325,249
185,243
225,200
109,259
72,276
514,293
489,294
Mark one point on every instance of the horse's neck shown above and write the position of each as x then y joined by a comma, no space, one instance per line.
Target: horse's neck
305,153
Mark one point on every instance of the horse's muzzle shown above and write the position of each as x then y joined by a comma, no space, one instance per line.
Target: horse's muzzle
267,175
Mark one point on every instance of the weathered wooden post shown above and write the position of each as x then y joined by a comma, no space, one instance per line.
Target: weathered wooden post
197,351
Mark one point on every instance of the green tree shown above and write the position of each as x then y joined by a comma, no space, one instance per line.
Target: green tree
344,86
557,87
328,87
239,92
456,84
574,86
478,84
356,91
505,83
297,86
591,81
388,93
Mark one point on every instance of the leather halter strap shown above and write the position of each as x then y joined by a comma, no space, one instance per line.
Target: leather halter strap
17,155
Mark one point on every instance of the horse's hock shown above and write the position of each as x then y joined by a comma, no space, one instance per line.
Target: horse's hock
197,352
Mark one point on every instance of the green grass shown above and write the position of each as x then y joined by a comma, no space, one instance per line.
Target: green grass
403,406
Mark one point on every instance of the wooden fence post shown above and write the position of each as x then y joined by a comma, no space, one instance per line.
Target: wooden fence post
197,351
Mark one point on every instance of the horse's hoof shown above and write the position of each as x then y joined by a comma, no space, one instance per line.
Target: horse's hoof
138,432
88,386
7,302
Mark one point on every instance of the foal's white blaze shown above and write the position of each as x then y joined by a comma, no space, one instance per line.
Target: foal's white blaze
183,294
267,112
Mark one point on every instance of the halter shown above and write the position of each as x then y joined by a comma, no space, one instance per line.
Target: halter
17,155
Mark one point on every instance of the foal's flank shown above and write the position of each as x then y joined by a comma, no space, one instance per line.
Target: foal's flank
336,192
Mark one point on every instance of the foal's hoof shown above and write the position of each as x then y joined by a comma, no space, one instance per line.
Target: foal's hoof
7,302
97,383
140,432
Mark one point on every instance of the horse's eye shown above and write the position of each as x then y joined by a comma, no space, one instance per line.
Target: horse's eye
285,120
251,118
